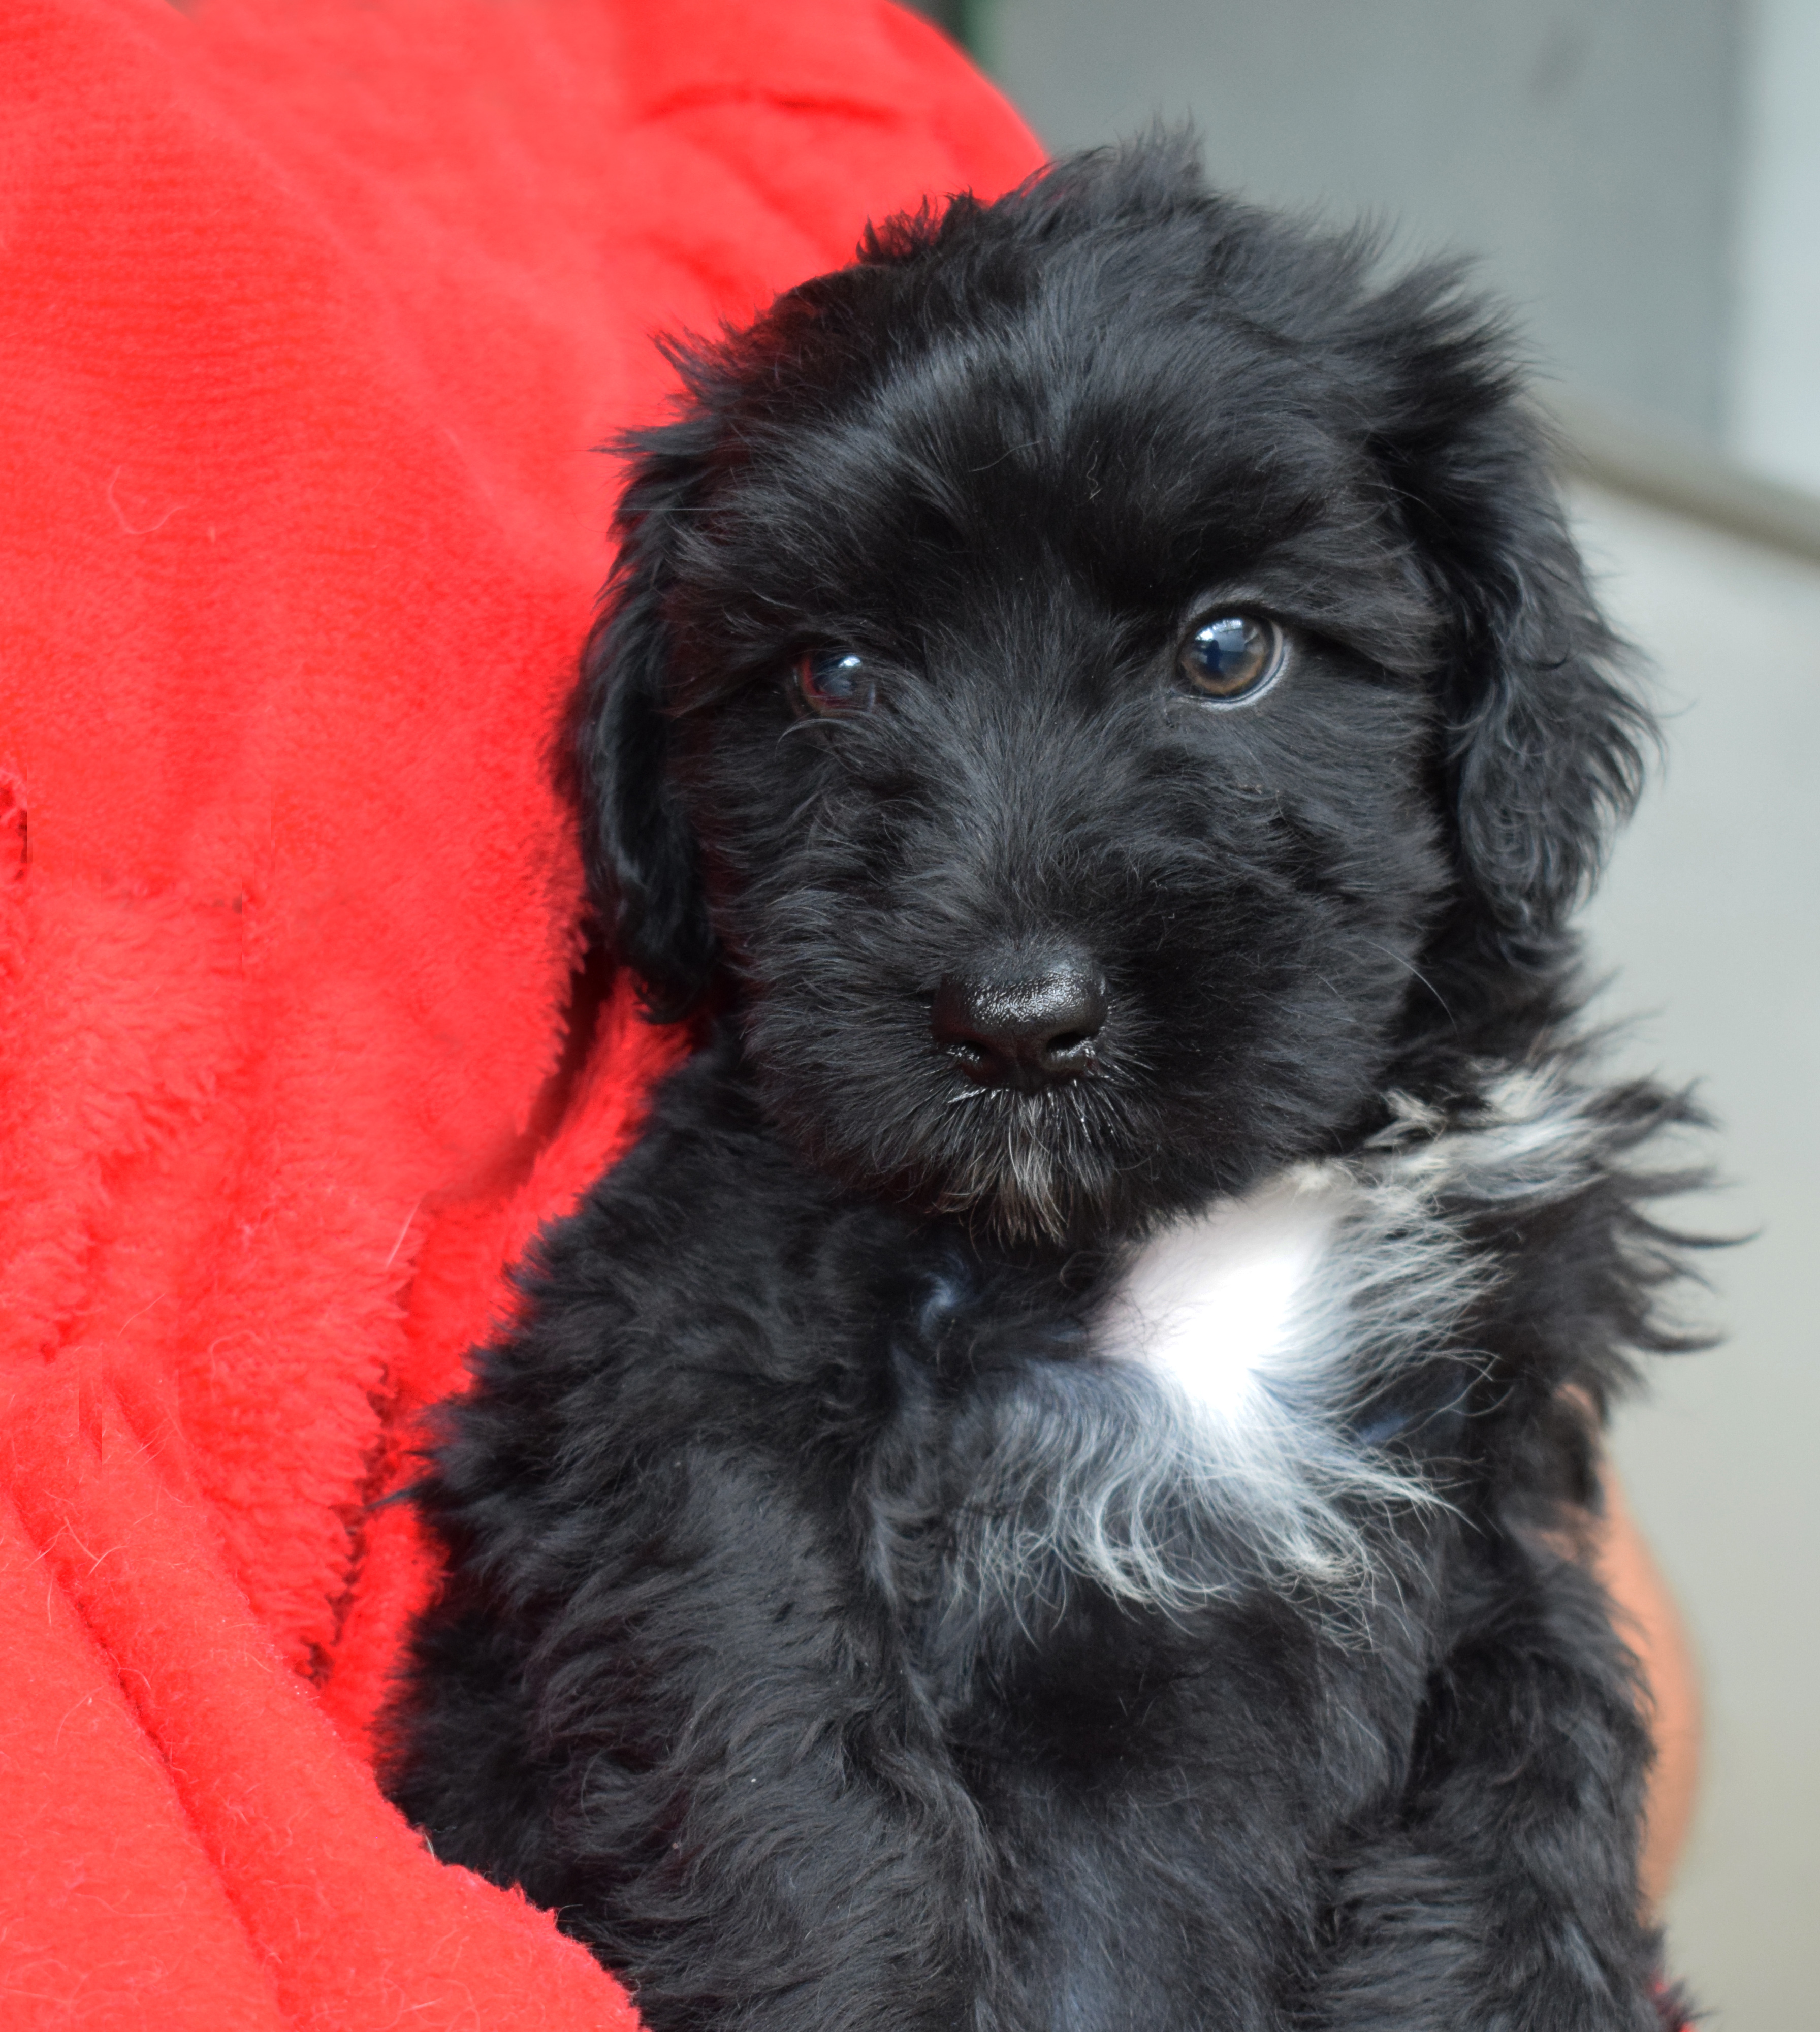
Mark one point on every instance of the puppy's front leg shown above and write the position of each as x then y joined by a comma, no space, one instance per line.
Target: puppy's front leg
1504,1897
758,1824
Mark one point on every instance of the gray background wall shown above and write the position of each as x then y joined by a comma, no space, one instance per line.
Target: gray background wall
1708,924
1773,415
1588,149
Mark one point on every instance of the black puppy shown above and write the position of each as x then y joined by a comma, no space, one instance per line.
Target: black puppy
1044,1493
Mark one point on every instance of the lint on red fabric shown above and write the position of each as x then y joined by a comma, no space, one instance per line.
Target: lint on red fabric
310,318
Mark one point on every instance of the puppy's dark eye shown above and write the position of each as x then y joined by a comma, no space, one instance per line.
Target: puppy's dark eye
834,683
1231,656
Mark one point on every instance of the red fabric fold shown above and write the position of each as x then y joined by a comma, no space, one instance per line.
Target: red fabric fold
312,317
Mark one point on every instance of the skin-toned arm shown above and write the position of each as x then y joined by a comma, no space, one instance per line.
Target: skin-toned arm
1650,1623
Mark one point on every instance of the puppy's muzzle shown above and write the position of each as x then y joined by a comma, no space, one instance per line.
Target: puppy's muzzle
1027,1029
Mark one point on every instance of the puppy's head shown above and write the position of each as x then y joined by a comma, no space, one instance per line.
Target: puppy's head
1104,679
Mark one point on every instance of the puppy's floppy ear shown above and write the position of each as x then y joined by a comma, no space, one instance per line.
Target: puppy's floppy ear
1546,748
640,852
1545,744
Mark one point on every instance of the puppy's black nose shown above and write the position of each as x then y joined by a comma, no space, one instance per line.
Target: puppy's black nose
1020,1029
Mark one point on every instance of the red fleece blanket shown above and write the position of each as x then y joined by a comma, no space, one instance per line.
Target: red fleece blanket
310,315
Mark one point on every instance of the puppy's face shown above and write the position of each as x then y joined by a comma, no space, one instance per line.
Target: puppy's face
1053,703
1066,807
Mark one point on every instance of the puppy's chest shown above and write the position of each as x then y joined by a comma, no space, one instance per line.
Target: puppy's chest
1298,1316
1232,1408
1243,1316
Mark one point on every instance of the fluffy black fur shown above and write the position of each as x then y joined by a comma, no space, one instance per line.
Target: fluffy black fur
728,1670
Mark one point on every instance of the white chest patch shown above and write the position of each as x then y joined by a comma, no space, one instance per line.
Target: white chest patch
1229,1305
1236,1366
1257,1330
